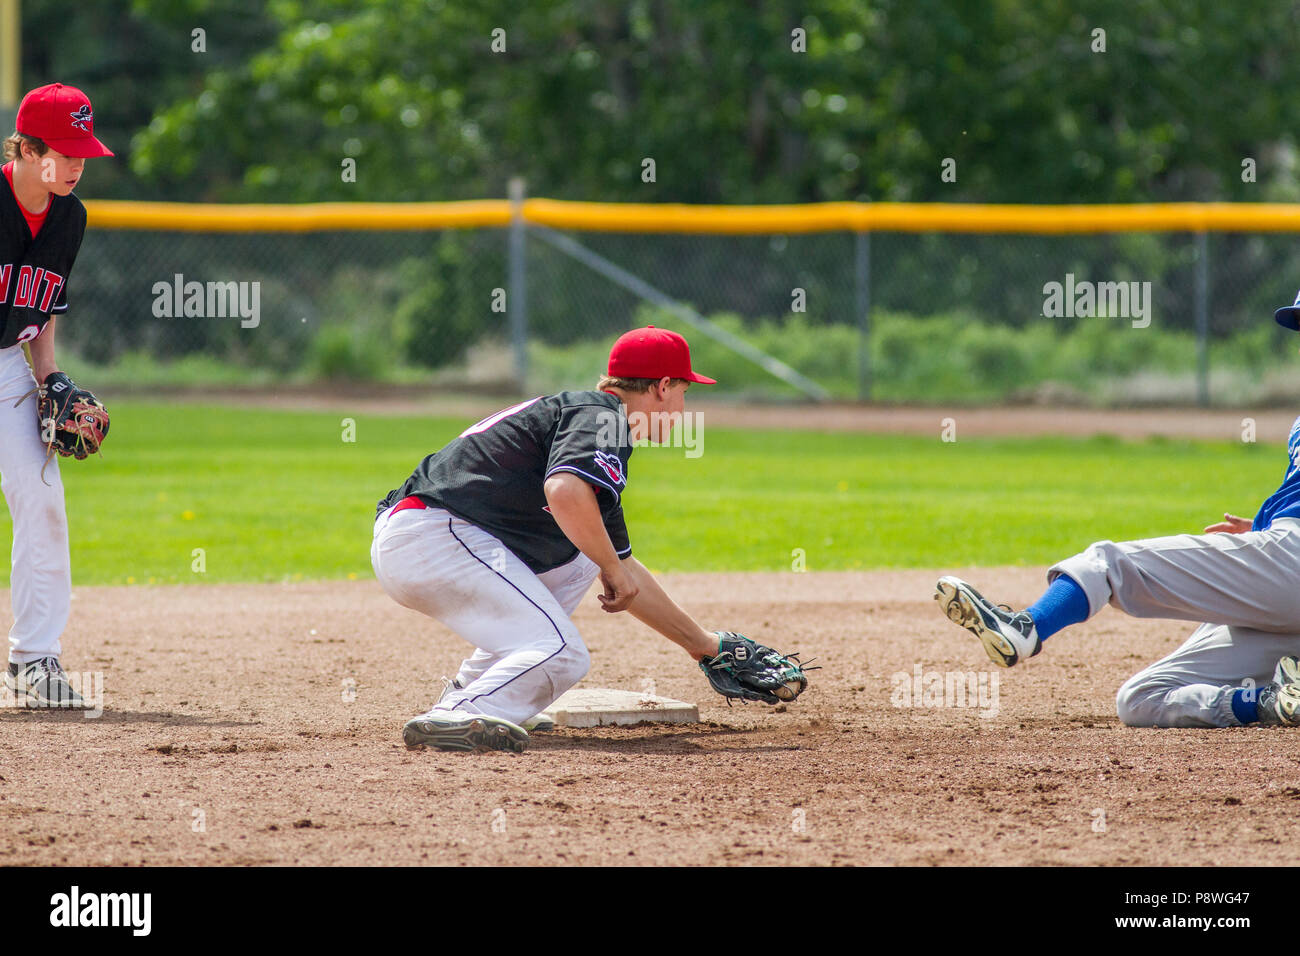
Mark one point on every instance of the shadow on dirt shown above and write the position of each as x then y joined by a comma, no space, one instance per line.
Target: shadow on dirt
14,715
651,739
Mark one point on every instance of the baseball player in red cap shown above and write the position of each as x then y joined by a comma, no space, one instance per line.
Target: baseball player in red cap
41,226
500,534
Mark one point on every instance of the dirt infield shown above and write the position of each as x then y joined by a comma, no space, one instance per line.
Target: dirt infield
228,737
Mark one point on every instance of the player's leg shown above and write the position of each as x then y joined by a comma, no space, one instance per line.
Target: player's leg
474,667
1241,580
1220,677
41,581
464,577
568,583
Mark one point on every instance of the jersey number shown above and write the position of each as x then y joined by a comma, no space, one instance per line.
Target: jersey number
491,420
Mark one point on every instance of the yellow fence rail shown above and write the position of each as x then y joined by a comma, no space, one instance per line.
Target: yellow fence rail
712,220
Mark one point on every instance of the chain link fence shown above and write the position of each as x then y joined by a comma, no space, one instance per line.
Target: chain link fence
886,315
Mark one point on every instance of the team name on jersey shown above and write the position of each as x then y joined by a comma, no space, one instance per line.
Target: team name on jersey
33,287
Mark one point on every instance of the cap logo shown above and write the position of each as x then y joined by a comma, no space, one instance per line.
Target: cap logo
82,117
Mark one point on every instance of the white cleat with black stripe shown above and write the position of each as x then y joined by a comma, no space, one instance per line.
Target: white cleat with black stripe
1007,637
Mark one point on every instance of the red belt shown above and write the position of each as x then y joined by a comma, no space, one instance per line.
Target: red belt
409,502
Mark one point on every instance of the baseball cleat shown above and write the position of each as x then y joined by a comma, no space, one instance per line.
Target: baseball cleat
539,722
1279,702
42,683
1007,637
464,732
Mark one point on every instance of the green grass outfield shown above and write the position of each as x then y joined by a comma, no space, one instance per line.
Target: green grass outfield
279,496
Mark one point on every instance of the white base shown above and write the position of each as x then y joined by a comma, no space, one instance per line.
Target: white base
600,707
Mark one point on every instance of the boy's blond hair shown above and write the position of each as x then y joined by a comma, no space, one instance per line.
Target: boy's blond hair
13,148
632,384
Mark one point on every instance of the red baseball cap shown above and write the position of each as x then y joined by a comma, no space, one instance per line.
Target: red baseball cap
653,353
60,116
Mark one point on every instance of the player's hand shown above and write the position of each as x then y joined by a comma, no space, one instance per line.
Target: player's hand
619,589
1230,524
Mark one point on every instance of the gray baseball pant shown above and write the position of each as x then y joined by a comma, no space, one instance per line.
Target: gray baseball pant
1245,588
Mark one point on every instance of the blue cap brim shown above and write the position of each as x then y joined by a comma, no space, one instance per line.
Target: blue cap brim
1288,317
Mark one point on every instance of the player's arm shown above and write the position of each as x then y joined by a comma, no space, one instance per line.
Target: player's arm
654,608
574,507
41,351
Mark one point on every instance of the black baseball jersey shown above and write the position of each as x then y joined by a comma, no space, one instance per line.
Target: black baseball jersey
493,474
34,272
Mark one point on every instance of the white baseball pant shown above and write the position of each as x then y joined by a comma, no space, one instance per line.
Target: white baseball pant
527,650
1244,588
41,576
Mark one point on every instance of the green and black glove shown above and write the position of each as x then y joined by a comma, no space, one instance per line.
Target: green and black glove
746,670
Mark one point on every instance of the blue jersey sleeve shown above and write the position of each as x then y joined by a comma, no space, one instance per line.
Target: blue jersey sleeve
1285,502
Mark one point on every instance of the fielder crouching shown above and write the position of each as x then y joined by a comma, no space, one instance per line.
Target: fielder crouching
1240,581
500,534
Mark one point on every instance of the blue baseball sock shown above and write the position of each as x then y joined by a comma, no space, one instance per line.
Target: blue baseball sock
1247,711
1062,604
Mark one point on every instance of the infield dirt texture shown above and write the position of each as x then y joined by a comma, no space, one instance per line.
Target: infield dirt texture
254,723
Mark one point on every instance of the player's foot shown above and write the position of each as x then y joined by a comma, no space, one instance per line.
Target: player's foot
448,731
42,683
539,722
1007,637
1279,702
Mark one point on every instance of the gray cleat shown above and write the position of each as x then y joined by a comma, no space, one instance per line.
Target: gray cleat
448,731
42,683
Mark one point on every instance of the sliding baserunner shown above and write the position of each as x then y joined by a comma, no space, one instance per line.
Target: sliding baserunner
1240,580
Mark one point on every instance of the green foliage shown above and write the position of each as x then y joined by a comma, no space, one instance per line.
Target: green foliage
953,358
133,58
1013,91
343,354
443,311
275,496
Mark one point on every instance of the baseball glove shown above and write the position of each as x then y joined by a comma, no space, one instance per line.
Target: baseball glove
746,670
74,422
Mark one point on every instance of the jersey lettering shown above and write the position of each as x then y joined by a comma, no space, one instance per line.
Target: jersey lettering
53,283
23,288
27,334
32,286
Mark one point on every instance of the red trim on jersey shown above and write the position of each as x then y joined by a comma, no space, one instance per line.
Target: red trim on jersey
34,220
409,502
